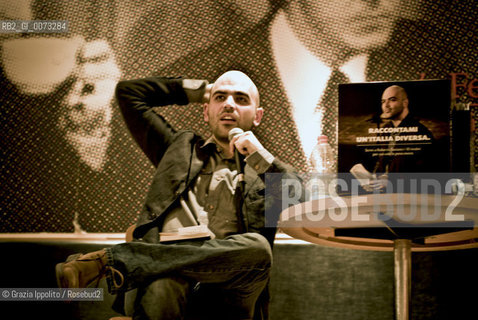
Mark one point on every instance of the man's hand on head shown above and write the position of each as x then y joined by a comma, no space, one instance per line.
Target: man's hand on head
197,90
207,93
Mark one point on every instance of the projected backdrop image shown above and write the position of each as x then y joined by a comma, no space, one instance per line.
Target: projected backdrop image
68,163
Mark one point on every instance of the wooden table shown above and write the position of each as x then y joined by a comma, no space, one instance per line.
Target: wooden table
401,223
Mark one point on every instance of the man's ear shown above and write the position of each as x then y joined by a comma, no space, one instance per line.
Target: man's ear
258,116
205,108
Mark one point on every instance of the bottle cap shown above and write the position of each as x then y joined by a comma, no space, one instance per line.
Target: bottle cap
322,139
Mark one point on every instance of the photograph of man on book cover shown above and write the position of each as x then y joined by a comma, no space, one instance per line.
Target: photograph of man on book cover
394,127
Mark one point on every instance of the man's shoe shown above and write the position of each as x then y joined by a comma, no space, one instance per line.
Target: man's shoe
80,270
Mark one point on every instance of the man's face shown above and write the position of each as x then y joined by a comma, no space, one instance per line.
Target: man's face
357,24
394,104
234,102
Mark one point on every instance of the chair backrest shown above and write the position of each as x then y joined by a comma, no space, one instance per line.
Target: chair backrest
129,233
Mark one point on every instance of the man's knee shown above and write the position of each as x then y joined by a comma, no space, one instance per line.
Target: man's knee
258,247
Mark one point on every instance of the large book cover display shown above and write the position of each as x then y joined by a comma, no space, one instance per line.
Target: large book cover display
370,141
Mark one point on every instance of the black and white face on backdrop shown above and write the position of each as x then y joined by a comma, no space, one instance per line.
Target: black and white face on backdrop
74,155
337,29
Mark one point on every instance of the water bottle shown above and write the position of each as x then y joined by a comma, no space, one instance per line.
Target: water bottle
322,161
322,158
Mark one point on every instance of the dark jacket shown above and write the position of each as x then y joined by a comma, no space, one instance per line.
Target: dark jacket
178,159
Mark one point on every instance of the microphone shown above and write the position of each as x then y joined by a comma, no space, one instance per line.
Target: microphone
239,194
234,132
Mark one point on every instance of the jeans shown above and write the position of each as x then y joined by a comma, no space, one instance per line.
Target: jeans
235,270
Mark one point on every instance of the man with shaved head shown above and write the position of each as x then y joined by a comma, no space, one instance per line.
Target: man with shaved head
394,104
208,193
396,114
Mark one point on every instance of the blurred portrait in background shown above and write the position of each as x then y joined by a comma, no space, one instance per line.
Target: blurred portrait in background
69,164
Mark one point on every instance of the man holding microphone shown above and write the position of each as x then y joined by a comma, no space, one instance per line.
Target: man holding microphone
195,186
